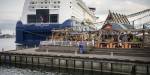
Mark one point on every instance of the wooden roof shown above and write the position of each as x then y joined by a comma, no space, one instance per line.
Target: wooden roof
116,18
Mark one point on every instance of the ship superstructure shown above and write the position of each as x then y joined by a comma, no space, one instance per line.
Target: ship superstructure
41,16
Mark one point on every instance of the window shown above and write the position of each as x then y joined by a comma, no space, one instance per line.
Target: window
32,3
58,2
54,18
31,18
42,15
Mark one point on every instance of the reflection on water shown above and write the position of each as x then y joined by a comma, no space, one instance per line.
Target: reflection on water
9,70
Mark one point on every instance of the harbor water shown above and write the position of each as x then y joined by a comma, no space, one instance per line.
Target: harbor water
7,44
28,70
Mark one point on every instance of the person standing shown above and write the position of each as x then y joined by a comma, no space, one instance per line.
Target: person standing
81,47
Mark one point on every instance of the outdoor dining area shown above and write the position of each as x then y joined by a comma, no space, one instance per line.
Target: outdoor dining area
101,38
119,39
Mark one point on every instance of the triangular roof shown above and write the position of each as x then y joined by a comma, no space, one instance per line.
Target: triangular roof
116,18
115,21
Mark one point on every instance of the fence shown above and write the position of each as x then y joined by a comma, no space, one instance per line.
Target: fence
66,43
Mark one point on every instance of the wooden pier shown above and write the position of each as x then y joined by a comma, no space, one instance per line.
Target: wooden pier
91,62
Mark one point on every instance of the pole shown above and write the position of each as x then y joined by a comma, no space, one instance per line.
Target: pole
147,69
143,36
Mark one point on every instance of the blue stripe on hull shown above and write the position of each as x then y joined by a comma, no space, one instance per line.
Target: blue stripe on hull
32,34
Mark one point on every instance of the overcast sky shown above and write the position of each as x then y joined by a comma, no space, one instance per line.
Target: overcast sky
10,10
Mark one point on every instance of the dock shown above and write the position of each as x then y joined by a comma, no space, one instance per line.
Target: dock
91,62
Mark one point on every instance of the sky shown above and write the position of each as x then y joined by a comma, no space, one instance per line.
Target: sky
11,10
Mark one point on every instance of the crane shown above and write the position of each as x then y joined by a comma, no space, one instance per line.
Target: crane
139,16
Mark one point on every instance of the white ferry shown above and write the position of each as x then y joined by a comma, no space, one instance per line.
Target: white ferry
39,17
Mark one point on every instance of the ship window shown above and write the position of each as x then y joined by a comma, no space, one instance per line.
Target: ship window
54,18
31,18
54,2
32,3
58,2
42,15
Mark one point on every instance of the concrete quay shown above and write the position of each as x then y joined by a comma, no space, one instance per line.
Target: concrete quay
92,62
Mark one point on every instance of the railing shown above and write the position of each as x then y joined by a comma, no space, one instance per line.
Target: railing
66,43
119,45
94,44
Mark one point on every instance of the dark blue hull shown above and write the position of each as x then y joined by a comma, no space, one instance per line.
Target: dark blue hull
31,35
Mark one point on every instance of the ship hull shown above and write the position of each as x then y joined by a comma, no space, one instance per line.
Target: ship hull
31,35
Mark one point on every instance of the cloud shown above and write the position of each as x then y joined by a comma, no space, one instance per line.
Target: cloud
12,9
119,6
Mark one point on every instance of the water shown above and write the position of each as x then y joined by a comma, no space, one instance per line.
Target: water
26,70
7,44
